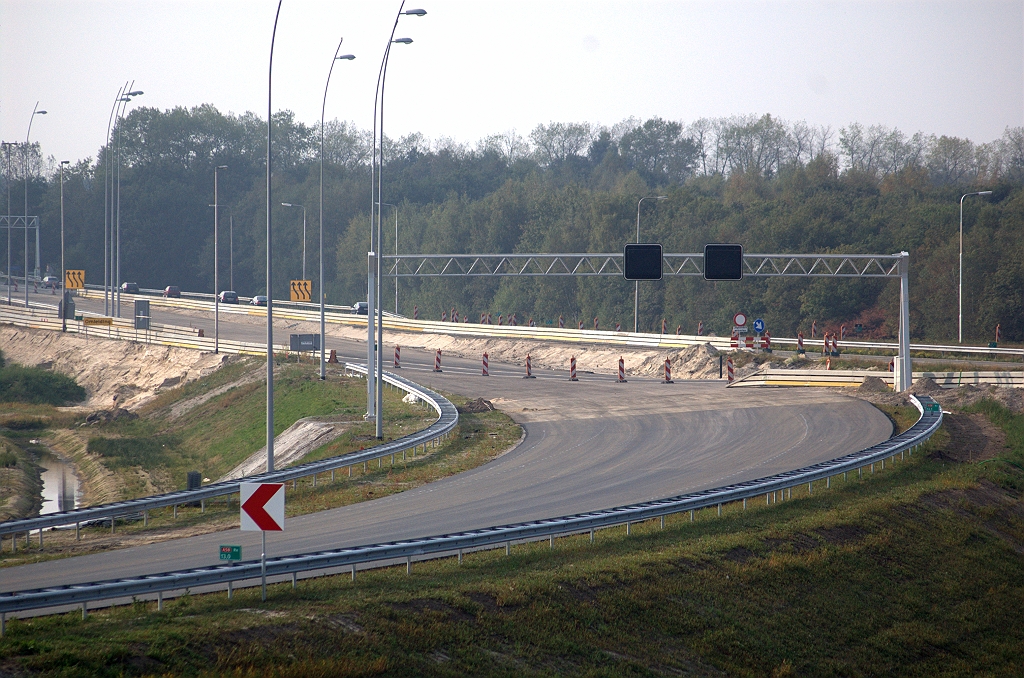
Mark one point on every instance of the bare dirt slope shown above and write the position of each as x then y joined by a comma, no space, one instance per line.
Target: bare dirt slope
133,372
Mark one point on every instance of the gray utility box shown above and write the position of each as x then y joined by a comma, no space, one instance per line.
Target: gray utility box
142,316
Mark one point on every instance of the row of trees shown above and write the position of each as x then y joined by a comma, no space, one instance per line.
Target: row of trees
771,185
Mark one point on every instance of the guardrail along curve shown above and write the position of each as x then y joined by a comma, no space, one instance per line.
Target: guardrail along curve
921,431
447,419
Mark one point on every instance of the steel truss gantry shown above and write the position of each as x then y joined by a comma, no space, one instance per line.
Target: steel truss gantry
757,265
17,222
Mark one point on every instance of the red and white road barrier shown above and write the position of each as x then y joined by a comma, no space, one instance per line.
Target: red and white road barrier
814,329
679,330
485,371
618,327
437,361
444,317
668,372
835,343
700,328
512,320
766,342
622,371
398,356
734,340
842,332
454,316
501,319
664,326
415,312
580,325
828,363
572,369
595,323
892,365
561,322
730,370
749,342
999,335
529,368
824,345
532,324
800,342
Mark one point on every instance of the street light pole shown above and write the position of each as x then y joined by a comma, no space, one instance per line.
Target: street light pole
35,112
63,286
636,283
107,291
288,204
270,266
116,266
323,109
8,145
231,247
375,313
216,282
960,295
395,208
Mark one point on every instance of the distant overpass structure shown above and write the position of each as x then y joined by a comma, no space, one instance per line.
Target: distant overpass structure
755,265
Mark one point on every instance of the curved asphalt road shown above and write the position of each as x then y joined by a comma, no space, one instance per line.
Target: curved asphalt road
590,445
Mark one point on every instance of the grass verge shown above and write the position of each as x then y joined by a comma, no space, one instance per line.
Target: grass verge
914,570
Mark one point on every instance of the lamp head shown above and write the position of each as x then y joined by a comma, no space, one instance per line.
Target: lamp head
222,166
65,162
984,192
287,204
346,57
136,93
40,112
403,41
415,12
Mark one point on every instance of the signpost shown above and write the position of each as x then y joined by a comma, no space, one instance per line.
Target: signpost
262,509
301,290
230,552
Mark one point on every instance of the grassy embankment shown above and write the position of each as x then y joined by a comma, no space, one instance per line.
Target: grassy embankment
185,429
912,571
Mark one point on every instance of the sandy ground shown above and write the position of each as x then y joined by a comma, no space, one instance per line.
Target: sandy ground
135,373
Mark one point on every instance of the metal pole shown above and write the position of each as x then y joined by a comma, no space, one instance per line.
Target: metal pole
63,290
106,205
216,281
270,270
396,260
8,144
636,283
903,363
304,243
35,112
231,247
323,109
263,554
116,238
960,295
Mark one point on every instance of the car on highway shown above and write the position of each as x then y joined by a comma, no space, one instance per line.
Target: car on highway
258,300
228,297
360,308
51,281
130,288
172,291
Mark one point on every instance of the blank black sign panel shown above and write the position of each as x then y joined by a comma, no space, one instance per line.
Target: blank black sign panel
723,262
642,261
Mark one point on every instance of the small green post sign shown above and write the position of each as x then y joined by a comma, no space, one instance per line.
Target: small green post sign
228,552
932,407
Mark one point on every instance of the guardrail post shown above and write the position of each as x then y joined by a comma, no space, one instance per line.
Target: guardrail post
113,521
744,503
591,536
551,542
691,515
508,547
767,499
828,482
314,480
295,580
332,475
408,564
883,464
3,624
145,518
663,522
159,601
872,468
175,511
202,506
460,556
231,590
85,612
40,537
627,528
353,572
719,510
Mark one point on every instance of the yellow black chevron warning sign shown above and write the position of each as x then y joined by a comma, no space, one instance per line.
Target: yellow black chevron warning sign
74,279
302,290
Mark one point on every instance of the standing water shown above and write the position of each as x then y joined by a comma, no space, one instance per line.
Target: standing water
61,491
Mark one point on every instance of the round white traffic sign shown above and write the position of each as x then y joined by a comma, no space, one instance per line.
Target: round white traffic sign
739,320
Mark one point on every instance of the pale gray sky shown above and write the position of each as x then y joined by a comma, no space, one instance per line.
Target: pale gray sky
477,68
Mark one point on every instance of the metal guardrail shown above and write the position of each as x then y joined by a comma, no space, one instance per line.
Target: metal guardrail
800,377
448,419
82,594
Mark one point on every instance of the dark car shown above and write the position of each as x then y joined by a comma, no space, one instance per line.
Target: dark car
172,291
360,307
130,288
227,297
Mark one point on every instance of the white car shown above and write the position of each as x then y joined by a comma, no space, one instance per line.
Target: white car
258,300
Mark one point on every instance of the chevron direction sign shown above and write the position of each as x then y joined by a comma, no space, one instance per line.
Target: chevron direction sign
262,507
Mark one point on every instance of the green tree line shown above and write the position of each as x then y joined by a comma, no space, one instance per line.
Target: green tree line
772,185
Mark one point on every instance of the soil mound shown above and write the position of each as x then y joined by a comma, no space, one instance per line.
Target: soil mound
477,406
873,385
925,386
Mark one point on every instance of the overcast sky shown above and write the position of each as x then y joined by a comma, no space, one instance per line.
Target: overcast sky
476,68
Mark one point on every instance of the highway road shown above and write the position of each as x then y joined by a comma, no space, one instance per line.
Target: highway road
589,445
